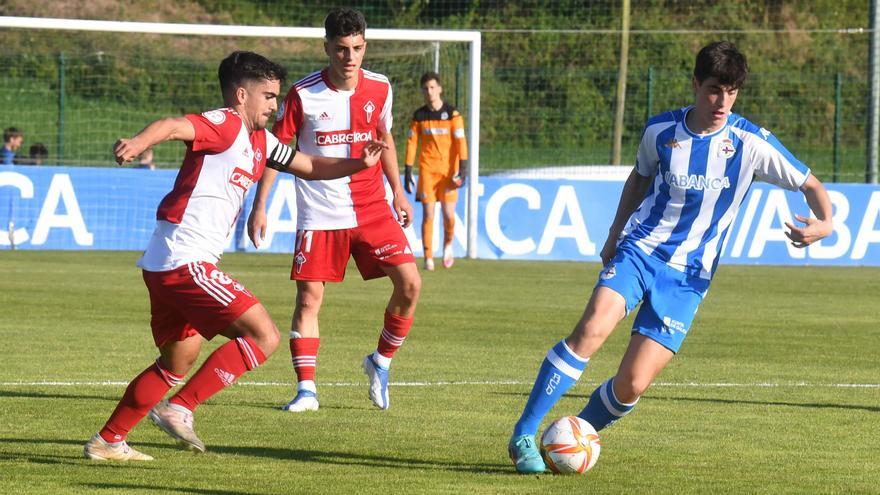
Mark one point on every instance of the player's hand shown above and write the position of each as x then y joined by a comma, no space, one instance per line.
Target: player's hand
459,177
403,209
458,180
408,183
127,150
608,250
372,152
812,231
256,226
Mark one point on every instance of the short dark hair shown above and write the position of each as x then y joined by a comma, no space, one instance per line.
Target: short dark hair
430,76
10,133
343,22
38,150
241,66
722,60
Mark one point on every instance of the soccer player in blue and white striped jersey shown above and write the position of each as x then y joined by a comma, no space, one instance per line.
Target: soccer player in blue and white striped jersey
693,170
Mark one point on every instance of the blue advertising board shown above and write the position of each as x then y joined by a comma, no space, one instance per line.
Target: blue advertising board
530,219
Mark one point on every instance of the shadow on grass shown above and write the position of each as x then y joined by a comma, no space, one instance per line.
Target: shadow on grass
276,453
55,395
358,459
162,489
811,405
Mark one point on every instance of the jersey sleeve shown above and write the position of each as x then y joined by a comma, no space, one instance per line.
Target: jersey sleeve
460,141
289,118
385,118
215,130
647,159
412,142
774,164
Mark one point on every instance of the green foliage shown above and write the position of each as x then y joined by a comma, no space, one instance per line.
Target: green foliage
549,77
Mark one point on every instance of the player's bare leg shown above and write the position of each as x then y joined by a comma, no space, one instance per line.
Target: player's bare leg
304,343
398,321
617,396
428,208
560,370
253,338
643,361
603,312
448,233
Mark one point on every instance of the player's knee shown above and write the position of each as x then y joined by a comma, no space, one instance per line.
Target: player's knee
266,336
628,388
411,287
308,302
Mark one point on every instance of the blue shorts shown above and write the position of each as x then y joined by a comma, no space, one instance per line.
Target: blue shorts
670,298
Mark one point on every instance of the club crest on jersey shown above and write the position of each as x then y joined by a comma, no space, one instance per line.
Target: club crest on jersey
216,117
444,116
280,113
765,133
672,144
300,260
241,178
726,150
258,156
608,273
369,108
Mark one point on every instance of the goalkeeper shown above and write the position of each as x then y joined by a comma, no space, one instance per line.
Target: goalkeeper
442,164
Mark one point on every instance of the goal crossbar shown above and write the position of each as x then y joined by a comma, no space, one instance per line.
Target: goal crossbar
472,38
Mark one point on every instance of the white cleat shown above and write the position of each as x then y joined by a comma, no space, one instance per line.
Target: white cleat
177,421
448,260
378,378
305,400
97,449
429,264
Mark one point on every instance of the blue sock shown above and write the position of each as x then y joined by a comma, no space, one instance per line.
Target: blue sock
603,408
559,371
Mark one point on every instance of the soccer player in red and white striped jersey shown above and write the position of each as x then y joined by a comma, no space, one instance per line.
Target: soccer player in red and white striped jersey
190,298
332,112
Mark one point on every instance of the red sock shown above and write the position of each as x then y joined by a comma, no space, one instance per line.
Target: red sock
304,354
220,370
394,333
144,392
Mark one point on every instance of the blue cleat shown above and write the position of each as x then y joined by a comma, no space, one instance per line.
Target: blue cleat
525,455
378,377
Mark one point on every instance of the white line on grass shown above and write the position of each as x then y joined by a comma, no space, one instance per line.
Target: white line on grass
114,383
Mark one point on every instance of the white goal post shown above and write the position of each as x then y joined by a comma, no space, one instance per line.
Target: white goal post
472,38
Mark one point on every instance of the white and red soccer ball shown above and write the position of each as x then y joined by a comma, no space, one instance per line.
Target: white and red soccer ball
570,445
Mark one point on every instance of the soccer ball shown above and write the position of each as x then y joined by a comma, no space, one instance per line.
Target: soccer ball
570,445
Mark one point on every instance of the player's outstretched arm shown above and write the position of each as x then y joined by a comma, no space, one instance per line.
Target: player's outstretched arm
177,128
633,192
324,168
817,228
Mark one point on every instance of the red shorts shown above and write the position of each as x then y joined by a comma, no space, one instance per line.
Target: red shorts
194,298
321,255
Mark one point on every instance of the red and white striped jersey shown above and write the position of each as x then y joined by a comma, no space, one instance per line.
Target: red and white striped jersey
336,123
196,220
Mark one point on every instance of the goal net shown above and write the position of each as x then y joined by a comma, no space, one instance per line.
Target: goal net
75,86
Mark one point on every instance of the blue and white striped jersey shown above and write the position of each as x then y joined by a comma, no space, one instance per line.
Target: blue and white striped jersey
700,182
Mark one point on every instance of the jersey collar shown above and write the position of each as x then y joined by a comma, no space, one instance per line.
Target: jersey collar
325,76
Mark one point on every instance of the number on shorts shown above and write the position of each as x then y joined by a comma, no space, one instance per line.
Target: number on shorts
304,236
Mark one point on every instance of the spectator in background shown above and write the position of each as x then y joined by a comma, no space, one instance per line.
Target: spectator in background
12,138
145,160
37,154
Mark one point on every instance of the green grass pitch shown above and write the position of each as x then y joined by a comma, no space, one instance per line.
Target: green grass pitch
776,390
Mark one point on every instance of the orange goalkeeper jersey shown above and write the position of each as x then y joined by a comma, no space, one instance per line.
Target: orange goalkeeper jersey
443,141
